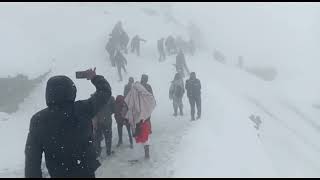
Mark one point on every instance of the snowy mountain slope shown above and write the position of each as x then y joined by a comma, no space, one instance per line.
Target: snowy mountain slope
223,143
287,145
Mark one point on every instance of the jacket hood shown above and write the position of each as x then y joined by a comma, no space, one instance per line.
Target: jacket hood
119,98
60,90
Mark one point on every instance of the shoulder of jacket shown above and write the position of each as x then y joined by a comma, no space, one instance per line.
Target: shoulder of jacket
37,117
40,113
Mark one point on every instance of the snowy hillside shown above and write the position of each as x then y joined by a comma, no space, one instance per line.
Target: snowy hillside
72,37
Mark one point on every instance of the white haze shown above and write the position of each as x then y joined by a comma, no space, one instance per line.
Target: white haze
71,36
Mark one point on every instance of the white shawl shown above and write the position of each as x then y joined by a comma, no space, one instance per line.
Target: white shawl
140,103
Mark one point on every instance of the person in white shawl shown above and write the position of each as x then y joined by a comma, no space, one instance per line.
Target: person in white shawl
141,104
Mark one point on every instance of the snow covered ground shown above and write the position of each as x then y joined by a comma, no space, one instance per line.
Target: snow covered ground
224,143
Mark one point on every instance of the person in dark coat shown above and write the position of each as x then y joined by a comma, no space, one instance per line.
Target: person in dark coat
119,115
161,49
117,32
181,65
121,62
144,83
120,37
103,127
135,44
128,86
124,41
111,48
63,130
193,87
170,45
117,29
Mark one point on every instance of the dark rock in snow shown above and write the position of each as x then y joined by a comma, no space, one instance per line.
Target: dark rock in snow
13,90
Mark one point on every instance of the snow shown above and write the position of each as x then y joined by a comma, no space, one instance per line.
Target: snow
68,37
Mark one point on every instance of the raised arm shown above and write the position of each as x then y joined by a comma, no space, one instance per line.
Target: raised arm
101,97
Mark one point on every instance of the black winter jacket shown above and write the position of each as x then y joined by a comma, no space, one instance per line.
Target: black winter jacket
193,88
63,130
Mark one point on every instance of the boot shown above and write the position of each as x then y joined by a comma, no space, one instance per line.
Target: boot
146,152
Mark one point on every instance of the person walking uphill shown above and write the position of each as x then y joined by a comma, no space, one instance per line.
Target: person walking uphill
161,50
141,104
121,62
193,87
135,44
63,130
181,65
176,93
102,125
121,110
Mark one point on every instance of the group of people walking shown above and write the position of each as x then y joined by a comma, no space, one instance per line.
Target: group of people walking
70,132
117,46
193,88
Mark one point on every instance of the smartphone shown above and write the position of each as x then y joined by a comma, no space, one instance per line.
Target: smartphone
81,74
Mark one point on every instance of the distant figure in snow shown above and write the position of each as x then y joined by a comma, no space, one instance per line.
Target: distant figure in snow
119,37
161,49
111,49
135,44
171,45
181,64
124,41
121,62
193,87
128,86
176,93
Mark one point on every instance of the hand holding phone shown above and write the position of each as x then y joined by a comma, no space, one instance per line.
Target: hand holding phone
91,73
88,74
